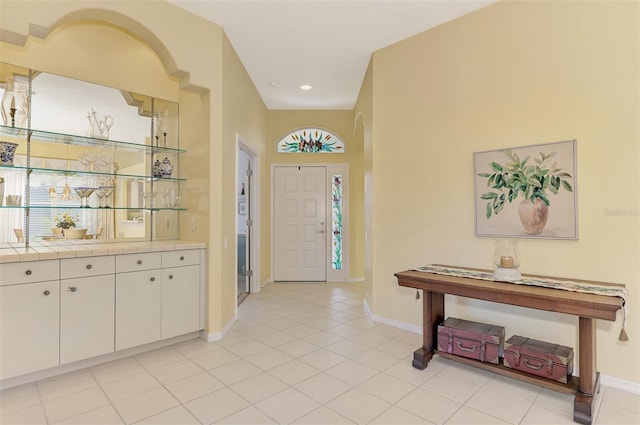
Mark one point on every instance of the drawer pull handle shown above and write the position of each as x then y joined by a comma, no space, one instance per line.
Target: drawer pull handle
72,289
28,272
471,349
170,276
153,279
46,292
139,261
89,266
182,258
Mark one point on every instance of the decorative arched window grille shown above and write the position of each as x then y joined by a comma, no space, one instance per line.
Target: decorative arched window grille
311,140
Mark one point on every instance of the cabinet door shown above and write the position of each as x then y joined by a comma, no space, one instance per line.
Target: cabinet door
138,308
180,300
86,317
29,317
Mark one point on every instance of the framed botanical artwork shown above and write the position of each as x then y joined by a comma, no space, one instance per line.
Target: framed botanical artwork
242,207
527,192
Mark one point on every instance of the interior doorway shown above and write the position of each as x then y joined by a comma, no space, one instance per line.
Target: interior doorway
246,223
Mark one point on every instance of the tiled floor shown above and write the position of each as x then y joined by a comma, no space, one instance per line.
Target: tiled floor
301,354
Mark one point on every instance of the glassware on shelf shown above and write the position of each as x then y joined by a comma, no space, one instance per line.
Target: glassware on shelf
106,192
84,193
148,198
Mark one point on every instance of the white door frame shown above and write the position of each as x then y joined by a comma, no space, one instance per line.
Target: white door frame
331,169
254,213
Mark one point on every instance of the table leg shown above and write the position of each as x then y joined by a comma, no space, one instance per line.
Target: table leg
589,382
432,315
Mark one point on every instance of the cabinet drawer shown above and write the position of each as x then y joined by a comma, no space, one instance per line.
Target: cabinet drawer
136,262
187,257
87,266
29,272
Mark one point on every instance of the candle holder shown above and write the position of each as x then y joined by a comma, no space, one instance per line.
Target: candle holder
506,260
13,116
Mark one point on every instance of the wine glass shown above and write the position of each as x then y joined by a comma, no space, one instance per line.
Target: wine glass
84,193
106,192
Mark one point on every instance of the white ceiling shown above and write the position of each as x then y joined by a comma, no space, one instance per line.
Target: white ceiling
324,43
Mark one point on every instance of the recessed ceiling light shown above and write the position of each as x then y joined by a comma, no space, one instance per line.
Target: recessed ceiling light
305,87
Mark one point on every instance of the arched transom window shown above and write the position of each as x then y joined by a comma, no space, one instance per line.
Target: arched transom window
312,140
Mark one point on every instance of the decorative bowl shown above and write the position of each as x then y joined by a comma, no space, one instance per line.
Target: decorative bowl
7,151
14,200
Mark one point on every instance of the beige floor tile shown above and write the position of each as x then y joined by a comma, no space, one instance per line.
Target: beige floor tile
175,371
358,406
105,415
510,409
160,357
323,323
452,387
467,373
216,406
323,359
398,334
347,348
396,348
17,398
212,359
248,348
345,331
428,405
281,323
269,359
193,387
195,346
275,338
538,415
117,369
130,386
513,387
403,370
376,359
323,387
176,416
293,372
297,348
32,415
323,339
553,400
352,372
247,416
301,331
66,407
232,338
69,383
145,405
386,387
323,416
369,339
234,372
259,387
287,406
397,416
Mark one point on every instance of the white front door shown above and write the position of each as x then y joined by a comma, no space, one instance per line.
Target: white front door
300,223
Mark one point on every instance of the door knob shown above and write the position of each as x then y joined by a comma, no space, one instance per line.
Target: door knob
321,231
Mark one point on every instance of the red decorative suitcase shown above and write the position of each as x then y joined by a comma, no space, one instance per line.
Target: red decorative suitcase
475,340
539,358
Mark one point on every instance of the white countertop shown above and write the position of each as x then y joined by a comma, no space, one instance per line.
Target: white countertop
14,252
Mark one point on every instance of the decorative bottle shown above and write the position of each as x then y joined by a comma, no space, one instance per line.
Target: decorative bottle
166,168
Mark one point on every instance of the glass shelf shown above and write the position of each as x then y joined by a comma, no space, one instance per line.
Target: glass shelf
51,137
68,173
78,207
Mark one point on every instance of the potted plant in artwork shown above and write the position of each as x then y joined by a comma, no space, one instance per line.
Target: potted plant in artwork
533,180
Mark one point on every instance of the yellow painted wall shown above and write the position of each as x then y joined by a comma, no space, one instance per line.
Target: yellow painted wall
155,48
512,74
340,122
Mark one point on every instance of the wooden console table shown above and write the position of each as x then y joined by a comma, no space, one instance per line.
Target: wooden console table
587,307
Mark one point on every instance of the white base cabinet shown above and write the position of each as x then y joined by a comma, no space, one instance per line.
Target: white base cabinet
86,317
56,312
29,317
138,312
180,300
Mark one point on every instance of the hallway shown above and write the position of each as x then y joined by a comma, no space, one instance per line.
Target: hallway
303,354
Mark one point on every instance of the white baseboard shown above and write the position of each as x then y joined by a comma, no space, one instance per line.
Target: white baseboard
216,336
356,279
607,381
